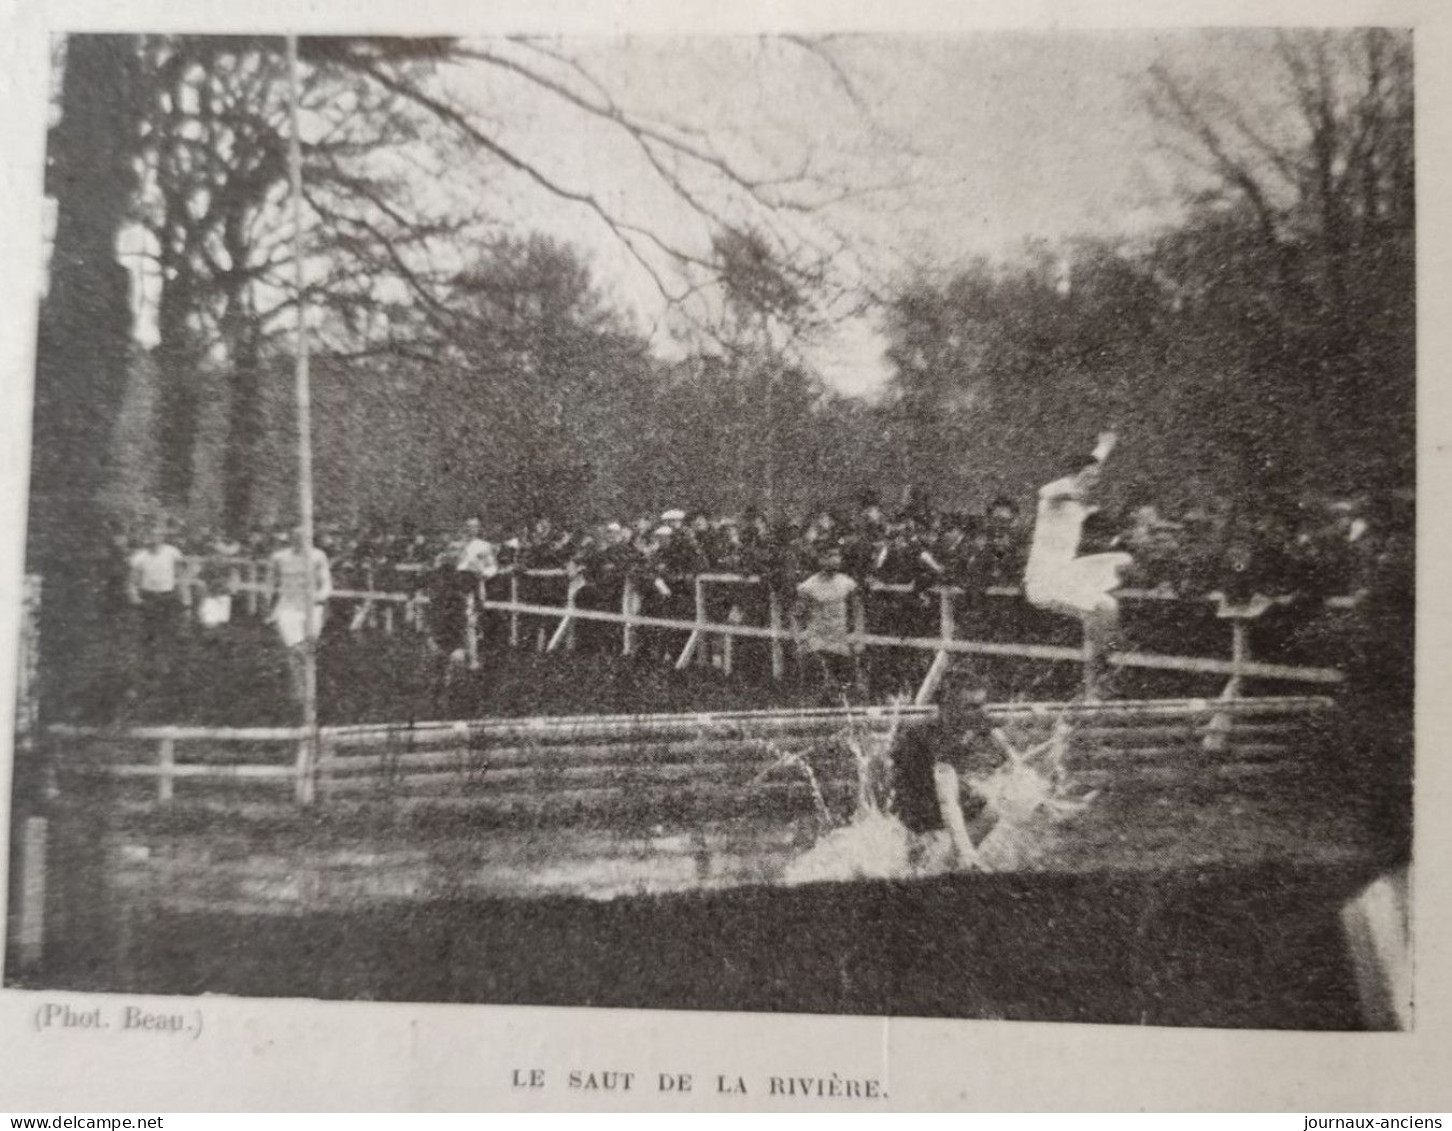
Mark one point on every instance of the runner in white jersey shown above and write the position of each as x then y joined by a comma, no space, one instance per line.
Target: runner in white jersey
287,582
1058,578
825,605
476,556
153,585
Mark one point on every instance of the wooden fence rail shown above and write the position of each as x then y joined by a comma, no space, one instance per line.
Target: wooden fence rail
544,753
778,632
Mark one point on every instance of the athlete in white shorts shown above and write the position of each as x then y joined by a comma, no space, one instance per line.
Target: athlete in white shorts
476,556
1058,578
287,581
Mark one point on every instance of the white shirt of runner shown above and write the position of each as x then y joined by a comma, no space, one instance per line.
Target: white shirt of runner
154,570
827,628
478,557
287,577
1056,577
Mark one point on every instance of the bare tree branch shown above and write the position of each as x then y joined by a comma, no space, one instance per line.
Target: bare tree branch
626,232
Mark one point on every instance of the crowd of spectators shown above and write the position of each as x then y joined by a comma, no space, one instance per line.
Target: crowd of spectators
1285,562
1289,559
1317,547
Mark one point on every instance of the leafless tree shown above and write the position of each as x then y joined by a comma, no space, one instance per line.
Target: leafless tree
380,120
1327,163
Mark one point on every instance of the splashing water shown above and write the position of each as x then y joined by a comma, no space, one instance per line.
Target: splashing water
874,846
872,758
793,760
1027,798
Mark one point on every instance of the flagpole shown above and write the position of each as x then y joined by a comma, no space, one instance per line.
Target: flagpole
307,755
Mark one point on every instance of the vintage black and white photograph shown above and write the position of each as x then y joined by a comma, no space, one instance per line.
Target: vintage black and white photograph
875,524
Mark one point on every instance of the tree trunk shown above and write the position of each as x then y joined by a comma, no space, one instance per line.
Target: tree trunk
246,412
83,354
177,408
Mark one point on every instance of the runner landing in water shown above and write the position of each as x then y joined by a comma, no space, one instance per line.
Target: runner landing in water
1058,578
932,764
972,800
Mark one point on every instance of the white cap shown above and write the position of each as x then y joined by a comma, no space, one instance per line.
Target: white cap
674,515
663,530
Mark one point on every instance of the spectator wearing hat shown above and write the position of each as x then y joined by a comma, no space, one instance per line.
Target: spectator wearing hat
681,559
860,543
654,590
547,549
869,507
917,505
1006,540
220,578
603,564
450,591
904,559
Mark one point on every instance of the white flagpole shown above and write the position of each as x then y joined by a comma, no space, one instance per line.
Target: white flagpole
307,759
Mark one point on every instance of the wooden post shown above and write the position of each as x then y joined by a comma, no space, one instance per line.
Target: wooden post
305,784
514,613
471,632
943,658
1239,654
1218,729
303,391
562,630
627,609
166,763
363,614
778,653
30,917
728,641
693,642
185,581
323,770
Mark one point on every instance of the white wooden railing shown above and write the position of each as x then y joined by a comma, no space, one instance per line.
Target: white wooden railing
369,755
780,631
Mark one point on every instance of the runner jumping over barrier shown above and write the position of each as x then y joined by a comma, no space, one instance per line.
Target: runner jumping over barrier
1058,578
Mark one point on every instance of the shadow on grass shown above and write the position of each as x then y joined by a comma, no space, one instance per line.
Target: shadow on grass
1251,947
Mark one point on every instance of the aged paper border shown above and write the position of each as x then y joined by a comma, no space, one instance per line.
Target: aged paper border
301,1055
